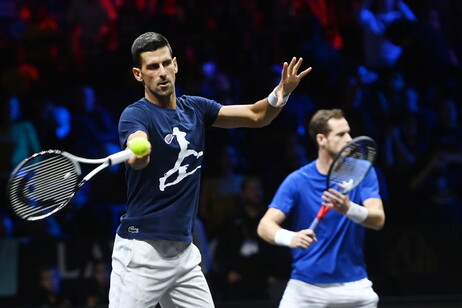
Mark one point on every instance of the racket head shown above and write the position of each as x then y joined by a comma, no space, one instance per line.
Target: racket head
351,164
42,184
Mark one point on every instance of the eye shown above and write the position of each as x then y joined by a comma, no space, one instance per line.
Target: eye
153,66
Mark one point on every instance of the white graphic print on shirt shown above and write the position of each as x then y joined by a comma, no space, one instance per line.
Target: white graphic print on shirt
182,169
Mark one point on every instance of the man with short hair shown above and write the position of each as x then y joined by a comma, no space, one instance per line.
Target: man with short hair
154,259
328,268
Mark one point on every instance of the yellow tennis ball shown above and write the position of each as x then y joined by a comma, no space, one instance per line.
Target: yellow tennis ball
139,146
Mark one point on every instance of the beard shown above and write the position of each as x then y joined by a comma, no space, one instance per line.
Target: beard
161,93
164,93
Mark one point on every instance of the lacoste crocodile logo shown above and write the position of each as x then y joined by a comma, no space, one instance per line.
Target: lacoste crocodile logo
133,229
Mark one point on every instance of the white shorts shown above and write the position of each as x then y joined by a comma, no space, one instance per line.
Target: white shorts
147,272
357,294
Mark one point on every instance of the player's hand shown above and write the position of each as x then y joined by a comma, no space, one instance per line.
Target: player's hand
290,78
336,200
138,162
303,239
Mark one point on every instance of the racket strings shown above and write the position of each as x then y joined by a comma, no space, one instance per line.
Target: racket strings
352,166
46,170
349,170
42,185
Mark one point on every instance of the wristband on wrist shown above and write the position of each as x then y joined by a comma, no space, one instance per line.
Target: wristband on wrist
357,213
283,237
273,99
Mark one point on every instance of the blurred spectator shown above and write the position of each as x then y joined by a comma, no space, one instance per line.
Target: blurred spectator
215,84
21,78
48,291
93,35
382,99
248,266
18,135
55,127
293,156
327,60
41,40
220,189
401,148
380,53
97,287
428,59
93,125
436,183
375,16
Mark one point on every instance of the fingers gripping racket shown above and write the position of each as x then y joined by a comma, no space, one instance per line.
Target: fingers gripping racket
348,169
44,183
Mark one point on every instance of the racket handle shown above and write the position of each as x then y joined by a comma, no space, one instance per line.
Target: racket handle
322,212
120,157
314,224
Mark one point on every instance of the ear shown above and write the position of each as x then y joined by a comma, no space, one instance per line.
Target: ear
175,64
321,140
137,73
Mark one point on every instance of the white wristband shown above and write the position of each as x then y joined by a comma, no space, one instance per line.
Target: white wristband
273,99
357,213
283,237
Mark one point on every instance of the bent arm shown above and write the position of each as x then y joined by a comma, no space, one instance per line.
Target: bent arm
270,224
370,215
270,230
375,214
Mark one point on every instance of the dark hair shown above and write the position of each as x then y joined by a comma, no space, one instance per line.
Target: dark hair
148,41
318,123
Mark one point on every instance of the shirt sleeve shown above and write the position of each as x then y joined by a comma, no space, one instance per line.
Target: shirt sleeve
131,120
284,198
209,109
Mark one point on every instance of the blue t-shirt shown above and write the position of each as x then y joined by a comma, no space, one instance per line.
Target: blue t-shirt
163,197
338,254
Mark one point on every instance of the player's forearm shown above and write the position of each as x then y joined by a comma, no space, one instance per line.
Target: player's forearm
371,215
375,220
254,115
267,230
264,112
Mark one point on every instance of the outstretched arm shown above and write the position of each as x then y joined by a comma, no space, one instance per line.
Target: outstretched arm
264,111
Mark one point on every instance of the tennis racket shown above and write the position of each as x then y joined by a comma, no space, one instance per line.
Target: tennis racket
44,183
348,169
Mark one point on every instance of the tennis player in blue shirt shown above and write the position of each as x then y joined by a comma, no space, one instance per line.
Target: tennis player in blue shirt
154,259
328,268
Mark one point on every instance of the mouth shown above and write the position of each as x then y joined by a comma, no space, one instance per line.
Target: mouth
164,84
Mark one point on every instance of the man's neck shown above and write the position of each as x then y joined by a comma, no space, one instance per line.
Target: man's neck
168,102
323,163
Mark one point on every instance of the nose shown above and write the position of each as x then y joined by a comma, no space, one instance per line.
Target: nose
348,137
163,71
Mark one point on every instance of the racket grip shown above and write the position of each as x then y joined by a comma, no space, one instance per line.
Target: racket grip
120,157
314,224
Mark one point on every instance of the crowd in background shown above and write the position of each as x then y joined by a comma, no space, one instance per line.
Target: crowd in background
393,66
